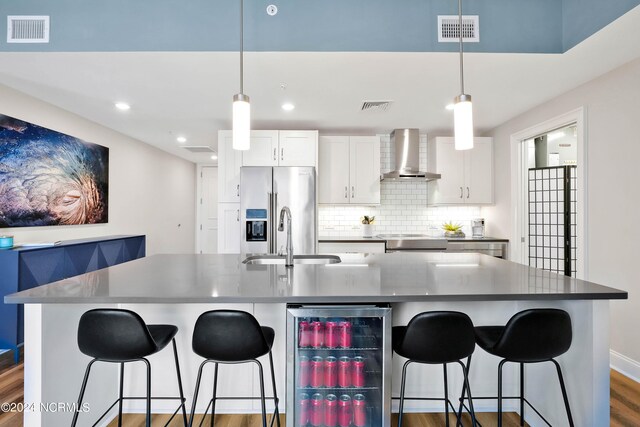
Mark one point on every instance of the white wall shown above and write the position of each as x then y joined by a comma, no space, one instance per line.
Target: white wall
150,191
612,106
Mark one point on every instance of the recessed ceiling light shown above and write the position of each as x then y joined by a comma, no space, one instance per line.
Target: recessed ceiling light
214,157
181,139
123,106
450,107
288,106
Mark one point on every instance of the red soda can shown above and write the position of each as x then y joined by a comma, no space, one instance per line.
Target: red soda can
359,411
303,416
357,372
345,334
331,411
344,372
316,372
304,334
316,412
317,334
331,334
345,411
304,374
330,371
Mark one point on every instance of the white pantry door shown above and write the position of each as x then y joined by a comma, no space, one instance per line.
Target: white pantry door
209,210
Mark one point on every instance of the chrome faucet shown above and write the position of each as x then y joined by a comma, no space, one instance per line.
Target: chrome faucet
283,211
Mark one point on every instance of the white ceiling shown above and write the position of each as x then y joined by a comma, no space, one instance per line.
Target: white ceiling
190,93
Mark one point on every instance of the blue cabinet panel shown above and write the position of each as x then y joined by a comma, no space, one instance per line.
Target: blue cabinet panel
22,269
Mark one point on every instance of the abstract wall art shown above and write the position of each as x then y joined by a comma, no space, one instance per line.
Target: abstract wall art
49,178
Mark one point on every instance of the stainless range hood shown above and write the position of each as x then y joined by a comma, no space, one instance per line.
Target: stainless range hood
407,148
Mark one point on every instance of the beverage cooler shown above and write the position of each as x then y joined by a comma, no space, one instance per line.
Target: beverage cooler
338,366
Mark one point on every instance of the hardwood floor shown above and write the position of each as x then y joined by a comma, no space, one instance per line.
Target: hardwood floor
625,408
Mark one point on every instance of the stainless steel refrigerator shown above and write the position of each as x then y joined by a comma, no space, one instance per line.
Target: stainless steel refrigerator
263,193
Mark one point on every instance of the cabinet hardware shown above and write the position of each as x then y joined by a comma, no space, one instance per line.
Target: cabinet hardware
238,190
238,215
468,192
275,153
353,192
282,154
346,192
461,192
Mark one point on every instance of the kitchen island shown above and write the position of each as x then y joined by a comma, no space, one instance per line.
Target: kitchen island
177,288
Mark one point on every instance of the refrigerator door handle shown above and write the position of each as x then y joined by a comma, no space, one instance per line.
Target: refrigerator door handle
274,226
270,221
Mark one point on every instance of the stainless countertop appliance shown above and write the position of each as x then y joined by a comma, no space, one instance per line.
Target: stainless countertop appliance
414,242
264,191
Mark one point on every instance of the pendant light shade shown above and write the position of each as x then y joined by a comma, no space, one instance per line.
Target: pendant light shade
241,122
241,107
462,109
463,122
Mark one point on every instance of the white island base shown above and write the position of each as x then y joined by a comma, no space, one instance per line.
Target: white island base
54,367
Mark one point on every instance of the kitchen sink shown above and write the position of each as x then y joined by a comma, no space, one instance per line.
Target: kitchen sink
297,259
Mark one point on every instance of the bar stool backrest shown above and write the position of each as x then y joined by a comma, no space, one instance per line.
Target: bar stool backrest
228,336
439,337
535,335
114,334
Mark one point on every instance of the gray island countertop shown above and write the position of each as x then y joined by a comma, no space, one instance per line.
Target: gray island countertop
372,278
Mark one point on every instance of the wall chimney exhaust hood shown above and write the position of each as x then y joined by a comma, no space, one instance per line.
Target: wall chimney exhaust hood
407,148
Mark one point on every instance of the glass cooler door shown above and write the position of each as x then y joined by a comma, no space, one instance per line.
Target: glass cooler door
338,366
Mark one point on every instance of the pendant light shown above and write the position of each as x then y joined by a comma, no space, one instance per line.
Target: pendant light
241,106
462,109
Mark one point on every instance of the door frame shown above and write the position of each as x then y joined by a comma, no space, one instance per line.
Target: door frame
519,201
199,166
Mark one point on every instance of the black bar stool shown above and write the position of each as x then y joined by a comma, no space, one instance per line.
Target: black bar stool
531,336
436,337
121,336
232,337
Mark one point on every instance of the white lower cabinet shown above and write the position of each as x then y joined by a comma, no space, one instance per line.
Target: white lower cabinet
351,247
229,230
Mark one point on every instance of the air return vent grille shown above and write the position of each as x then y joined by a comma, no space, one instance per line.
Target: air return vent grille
199,148
449,28
27,29
375,105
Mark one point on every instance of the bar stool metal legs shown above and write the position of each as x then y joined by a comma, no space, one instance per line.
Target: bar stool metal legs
212,403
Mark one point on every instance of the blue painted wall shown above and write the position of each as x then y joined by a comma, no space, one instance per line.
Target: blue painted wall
530,26
582,18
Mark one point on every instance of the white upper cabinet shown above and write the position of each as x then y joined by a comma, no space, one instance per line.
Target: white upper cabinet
229,162
282,148
298,148
467,175
264,149
349,170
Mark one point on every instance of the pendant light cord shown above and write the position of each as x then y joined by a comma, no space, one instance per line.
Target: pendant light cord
242,46
461,48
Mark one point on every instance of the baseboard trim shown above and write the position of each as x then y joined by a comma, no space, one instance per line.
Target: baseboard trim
625,365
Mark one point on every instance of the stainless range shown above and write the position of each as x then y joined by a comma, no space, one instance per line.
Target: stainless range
414,242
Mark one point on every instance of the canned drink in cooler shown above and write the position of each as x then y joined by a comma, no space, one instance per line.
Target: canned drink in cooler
345,334
344,372
345,411
331,411
330,371
303,373
359,411
357,372
316,372
304,334
303,415
317,334
331,334
316,411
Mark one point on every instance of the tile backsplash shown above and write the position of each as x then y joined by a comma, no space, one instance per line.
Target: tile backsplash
403,207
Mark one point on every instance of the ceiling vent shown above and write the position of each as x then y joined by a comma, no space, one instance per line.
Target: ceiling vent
27,29
199,148
449,28
375,105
